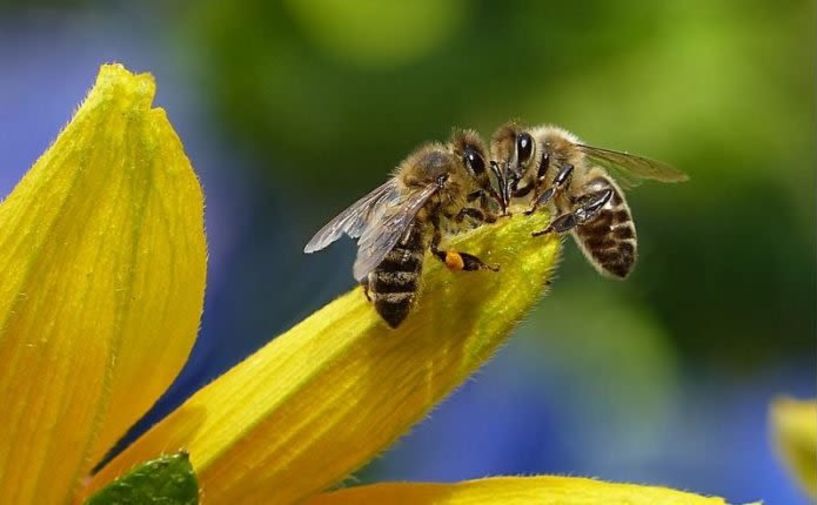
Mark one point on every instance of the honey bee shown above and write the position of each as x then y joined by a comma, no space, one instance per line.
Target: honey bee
548,166
437,188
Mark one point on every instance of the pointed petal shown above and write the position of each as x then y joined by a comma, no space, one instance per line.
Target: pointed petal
794,431
328,395
103,259
543,490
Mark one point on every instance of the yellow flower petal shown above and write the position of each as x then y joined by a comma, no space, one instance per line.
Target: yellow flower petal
103,258
794,431
513,491
324,398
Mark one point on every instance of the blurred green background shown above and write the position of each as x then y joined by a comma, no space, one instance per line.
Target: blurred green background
291,110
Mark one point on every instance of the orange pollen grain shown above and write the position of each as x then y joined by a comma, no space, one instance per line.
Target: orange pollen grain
454,261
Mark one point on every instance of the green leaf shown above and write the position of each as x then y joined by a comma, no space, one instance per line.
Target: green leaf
168,480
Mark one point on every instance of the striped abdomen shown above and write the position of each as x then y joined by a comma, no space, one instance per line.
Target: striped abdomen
609,240
393,285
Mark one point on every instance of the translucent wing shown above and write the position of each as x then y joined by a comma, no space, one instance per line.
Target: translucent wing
385,229
630,168
353,220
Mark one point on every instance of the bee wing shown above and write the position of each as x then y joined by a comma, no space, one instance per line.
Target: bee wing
353,220
386,227
630,169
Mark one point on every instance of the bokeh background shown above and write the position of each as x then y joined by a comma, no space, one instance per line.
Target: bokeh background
291,110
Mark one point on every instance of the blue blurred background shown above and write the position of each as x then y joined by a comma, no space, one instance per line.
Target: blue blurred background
291,110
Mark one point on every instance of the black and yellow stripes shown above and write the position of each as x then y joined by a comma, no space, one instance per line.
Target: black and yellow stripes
609,240
392,286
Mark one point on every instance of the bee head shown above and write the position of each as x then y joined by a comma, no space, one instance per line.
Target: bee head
468,146
503,143
511,151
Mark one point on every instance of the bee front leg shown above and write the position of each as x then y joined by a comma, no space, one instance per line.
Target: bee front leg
456,260
589,207
560,182
483,197
476,214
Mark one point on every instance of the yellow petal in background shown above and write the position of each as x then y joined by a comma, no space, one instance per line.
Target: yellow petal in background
794,432
325,397
513,491
102,255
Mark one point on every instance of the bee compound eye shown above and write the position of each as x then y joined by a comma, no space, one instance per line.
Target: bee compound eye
524,147
474,161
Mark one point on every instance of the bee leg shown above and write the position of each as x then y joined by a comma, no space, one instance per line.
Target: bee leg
456,260
589,207
501,195
541,200
474,196
560,182
482,196
476,214
365,285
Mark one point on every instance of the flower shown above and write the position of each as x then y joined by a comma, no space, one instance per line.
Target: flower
542,490
103,252
103,257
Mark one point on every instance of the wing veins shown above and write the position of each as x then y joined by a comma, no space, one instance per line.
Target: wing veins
631,167
386,228
353,219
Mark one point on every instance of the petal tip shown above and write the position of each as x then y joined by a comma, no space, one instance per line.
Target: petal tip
115,81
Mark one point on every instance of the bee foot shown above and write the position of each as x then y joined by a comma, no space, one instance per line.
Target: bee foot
365,285
546,231
471,263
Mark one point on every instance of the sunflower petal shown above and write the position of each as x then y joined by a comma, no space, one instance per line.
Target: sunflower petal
794,431
103,258
544,490
324,398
